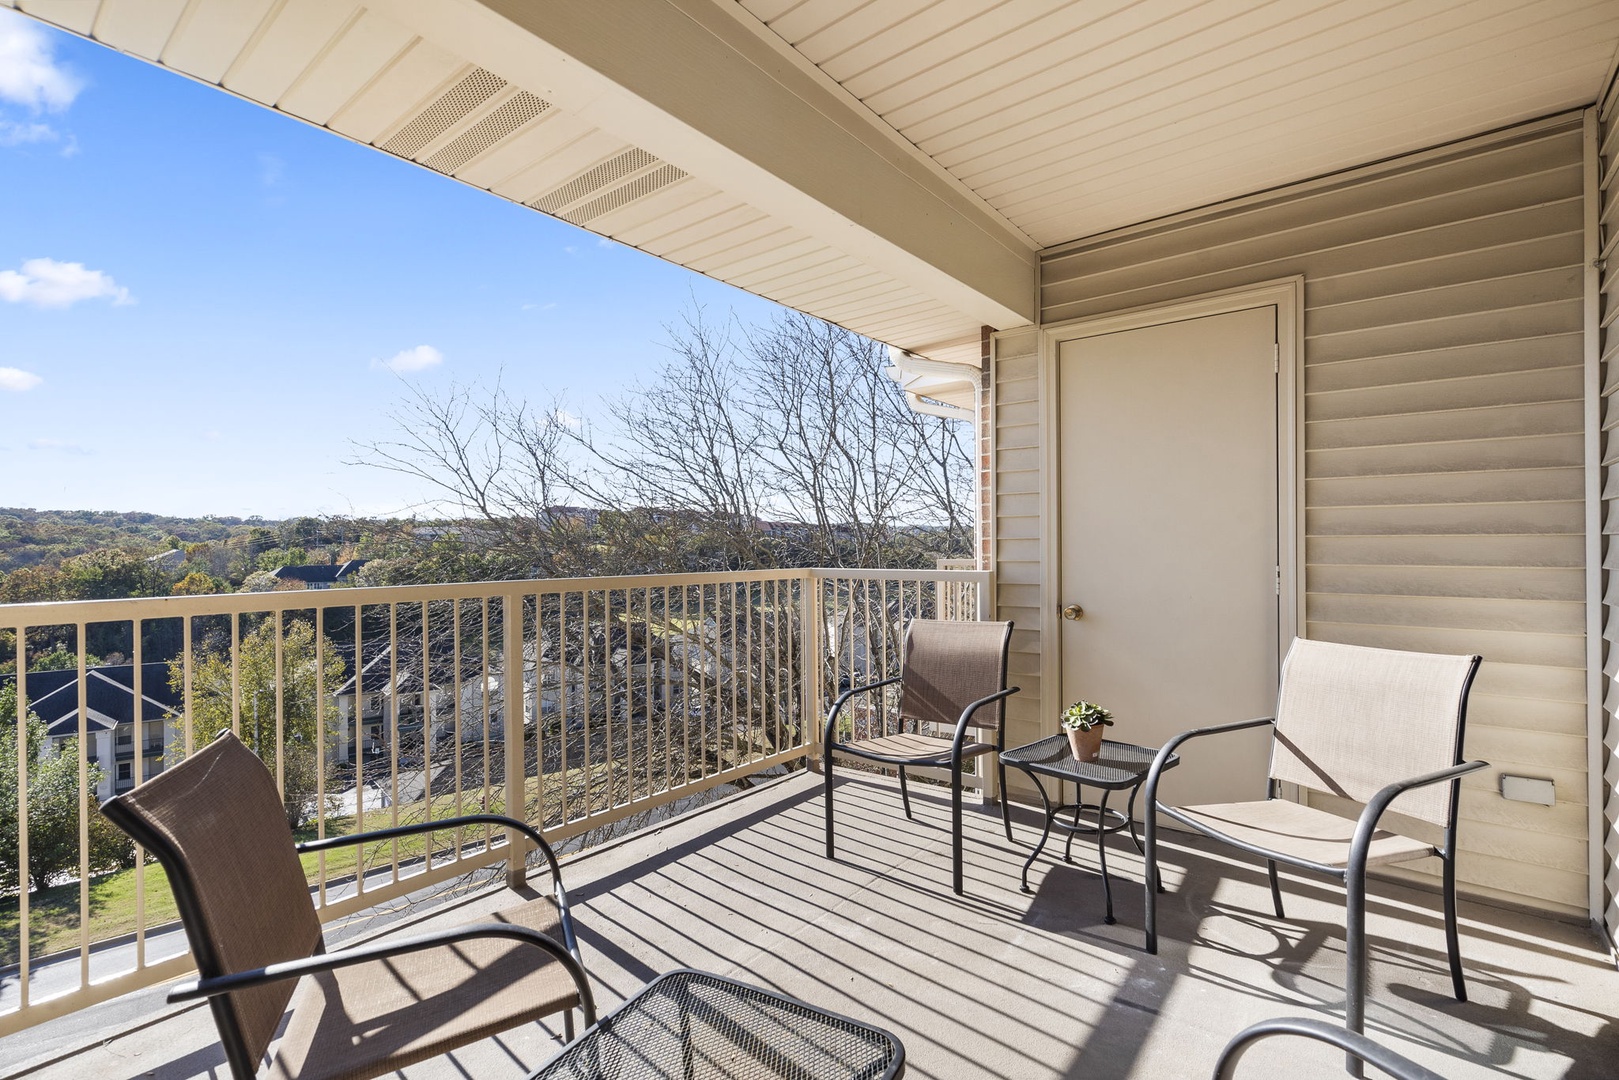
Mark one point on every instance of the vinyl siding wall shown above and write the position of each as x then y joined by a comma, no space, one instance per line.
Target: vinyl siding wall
1607,315
1443,440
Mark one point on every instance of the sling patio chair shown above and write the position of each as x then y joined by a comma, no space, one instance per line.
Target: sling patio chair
218,826
953,676
1374,726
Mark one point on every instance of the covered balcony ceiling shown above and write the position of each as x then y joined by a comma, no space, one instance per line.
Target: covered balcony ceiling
895,166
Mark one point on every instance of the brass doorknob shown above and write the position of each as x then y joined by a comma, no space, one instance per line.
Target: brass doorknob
1073,611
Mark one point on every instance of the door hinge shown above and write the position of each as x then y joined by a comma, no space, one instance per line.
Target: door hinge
1278,581
1276,357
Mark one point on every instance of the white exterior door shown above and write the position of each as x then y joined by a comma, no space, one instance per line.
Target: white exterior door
1169,537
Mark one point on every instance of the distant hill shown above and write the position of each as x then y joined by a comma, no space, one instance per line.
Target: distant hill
31,537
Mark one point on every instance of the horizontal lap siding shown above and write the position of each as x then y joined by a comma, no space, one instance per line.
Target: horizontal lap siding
1443,441
1608,318
1020,576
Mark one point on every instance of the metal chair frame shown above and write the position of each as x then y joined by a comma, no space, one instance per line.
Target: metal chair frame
953,760
214,982
1352,875
1360,1049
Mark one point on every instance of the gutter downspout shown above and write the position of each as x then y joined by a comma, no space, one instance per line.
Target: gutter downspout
905,367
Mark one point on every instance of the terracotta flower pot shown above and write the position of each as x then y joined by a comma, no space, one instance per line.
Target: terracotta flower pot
1086,745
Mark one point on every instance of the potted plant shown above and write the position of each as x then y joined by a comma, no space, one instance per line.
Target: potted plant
1084,722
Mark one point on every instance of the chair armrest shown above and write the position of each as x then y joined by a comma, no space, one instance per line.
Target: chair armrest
1373,1054
197,989
967,715
837,706
1150,786
442,824
1366,825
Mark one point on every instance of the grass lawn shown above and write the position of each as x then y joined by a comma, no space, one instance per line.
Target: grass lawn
53,914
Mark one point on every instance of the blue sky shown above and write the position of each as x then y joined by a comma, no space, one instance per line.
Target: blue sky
200,298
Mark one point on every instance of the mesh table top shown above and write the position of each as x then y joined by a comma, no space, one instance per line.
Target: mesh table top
689,1025
1121,765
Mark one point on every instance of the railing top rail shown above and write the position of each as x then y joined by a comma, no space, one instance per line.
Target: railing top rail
973,577
54,612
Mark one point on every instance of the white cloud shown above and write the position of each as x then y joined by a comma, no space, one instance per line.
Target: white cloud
48,283
17,380
420,358
272,170
29,74
15,134
60,446
567,419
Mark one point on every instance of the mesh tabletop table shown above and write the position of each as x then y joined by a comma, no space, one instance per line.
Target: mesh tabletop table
1121,767
689,1025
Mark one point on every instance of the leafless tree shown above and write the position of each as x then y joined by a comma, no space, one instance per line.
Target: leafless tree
793,423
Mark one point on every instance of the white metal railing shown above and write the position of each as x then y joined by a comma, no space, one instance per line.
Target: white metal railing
582,705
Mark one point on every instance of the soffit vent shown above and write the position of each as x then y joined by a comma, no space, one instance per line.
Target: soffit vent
507,118
608,172
452,106
638,188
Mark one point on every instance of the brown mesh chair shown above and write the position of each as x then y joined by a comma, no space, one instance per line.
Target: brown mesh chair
954,676
217,825
1370,725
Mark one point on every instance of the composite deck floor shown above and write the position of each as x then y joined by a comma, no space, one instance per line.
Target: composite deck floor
999,983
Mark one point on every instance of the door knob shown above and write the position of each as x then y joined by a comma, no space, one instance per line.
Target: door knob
1073,611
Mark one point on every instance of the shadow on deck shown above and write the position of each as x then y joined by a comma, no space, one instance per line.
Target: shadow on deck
1003,984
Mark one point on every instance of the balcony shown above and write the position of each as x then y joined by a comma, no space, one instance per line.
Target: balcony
642,701
997,984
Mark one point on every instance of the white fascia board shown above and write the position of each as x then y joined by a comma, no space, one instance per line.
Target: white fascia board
688,81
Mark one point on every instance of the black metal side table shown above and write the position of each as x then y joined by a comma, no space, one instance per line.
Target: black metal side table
690,1025
1122,767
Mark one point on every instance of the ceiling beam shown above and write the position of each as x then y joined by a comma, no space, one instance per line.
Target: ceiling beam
694,83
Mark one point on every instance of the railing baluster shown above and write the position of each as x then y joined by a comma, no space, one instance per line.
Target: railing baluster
564,781
137,716
393,736
24,913
360,780
668,661
320,750
280,709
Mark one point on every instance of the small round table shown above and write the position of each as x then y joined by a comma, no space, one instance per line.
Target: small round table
1122,767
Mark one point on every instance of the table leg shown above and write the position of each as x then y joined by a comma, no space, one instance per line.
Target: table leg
1079,799
1101,854
1131,817
1045,833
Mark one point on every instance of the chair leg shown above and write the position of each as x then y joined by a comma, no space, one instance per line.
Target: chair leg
826,770
1355,955
1275,889
905,794
1452,940
1006,806
955,829
1149,859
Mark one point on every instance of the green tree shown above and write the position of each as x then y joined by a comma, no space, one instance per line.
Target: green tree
304,718
197,583
276,558
54,806
60,658
110,573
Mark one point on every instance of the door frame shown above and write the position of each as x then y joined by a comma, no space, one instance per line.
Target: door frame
1286,295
